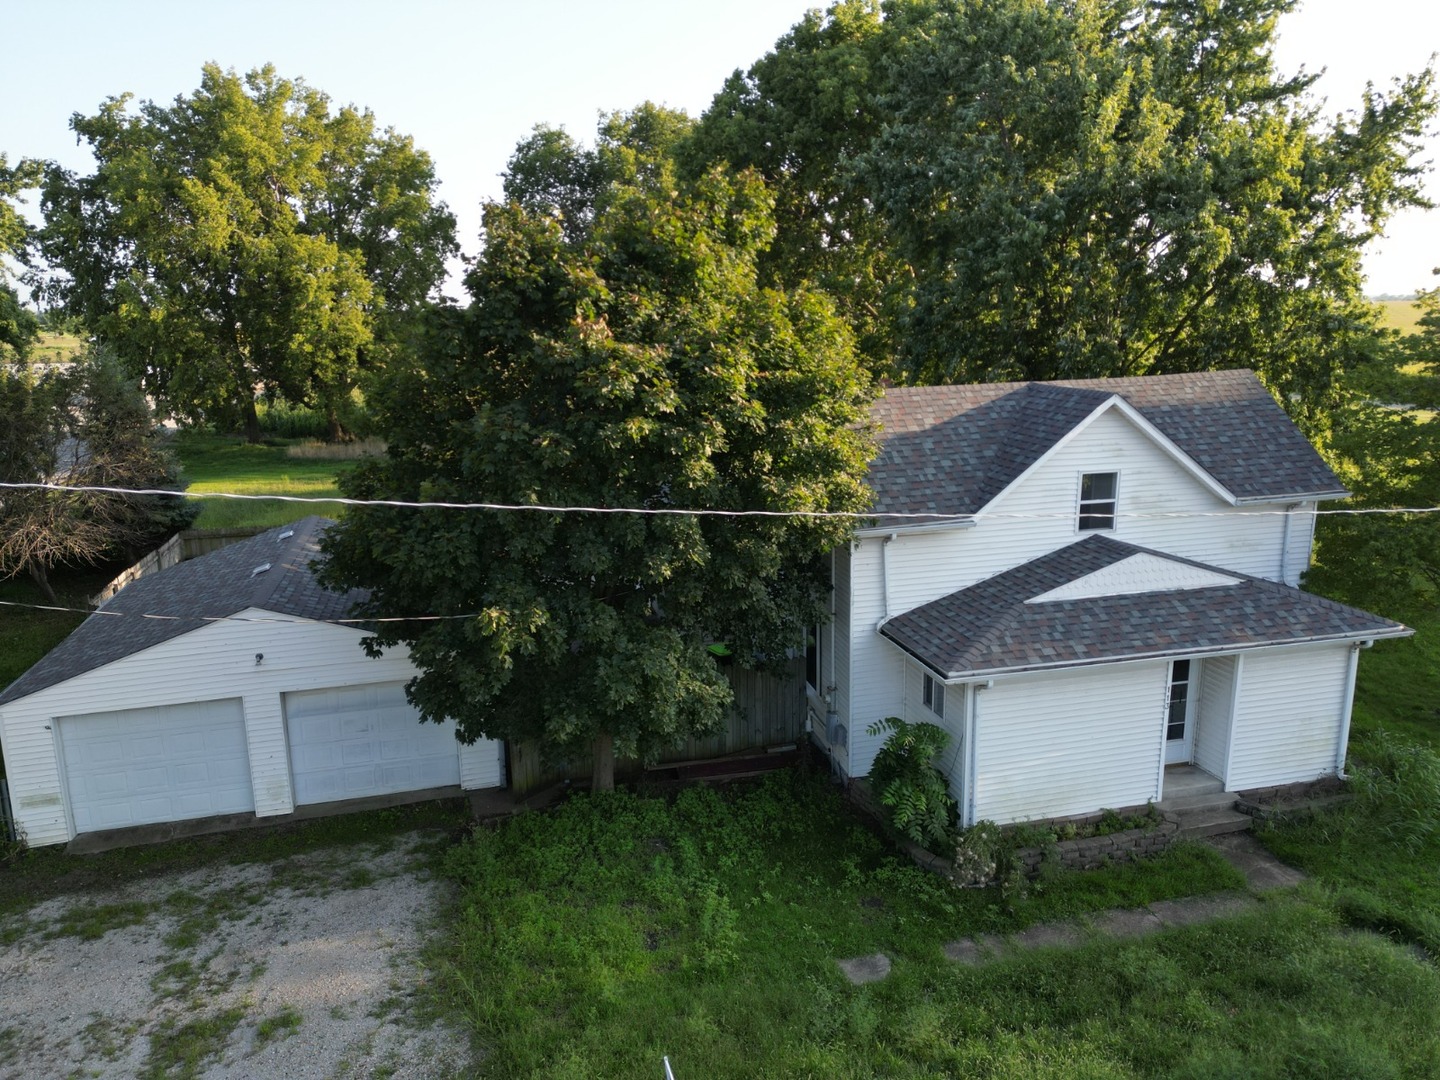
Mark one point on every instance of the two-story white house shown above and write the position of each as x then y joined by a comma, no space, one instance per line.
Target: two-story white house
1084,582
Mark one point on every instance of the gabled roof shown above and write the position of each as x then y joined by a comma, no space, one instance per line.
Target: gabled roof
1010,623
953,449
192,593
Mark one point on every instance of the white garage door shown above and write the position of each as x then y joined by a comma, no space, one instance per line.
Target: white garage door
355,741
142,766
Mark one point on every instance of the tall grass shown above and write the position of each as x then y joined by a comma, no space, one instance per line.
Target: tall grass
592,941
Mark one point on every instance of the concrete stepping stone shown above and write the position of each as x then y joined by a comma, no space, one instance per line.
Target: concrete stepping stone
1193,910
1060,935
977,950
1262,870
865,969
1127,923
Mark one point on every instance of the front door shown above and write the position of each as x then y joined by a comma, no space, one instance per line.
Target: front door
1179,711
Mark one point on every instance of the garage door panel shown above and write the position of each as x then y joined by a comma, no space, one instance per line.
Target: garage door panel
143,766
363,741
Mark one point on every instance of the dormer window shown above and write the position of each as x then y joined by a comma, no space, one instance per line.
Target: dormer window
1097,501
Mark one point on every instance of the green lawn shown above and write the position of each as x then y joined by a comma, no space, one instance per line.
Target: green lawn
592,941
228,463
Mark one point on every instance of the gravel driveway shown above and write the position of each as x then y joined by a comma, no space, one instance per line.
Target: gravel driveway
305,967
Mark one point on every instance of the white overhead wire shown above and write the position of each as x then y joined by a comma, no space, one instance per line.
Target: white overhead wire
666,511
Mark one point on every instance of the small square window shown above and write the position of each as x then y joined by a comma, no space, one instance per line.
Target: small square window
934,696
1097,501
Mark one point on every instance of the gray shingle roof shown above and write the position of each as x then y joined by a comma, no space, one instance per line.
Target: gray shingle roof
988,628
218,584
951,449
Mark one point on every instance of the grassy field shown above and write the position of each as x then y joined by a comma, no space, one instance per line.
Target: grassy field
228,463
1399,315
594,940
56,348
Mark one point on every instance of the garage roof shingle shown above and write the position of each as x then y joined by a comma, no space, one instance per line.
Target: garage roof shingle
191,594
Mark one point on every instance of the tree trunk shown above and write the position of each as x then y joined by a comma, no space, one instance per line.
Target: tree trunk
332,418
252,419
42,581
602,778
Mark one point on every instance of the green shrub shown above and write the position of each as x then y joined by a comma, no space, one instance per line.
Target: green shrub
907,783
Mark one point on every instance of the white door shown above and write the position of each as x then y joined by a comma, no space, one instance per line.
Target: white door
355,741
1180,711
143,766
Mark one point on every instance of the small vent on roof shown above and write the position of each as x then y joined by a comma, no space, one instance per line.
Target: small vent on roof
286,534
260,569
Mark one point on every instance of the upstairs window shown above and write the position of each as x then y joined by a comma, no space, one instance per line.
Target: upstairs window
1097,501
934,696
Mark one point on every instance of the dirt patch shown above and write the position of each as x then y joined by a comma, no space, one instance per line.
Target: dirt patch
307,967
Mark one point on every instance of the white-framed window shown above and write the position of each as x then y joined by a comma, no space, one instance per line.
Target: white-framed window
934,696
1099,495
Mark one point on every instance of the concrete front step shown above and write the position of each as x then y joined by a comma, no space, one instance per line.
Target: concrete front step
1211,822
1204,801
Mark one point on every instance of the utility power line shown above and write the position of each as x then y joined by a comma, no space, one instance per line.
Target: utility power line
666,511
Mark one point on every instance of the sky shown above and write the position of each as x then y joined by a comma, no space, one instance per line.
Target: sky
468,80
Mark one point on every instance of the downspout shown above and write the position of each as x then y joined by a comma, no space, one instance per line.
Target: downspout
885,580
972,750
1349,703
1285,542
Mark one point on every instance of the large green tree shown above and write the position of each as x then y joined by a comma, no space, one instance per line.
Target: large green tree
1385,444
246,236
18,324
1003,189
619,352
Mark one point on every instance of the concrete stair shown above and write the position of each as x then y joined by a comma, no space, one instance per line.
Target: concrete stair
1197,798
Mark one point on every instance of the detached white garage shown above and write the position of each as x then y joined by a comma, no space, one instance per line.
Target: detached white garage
247,696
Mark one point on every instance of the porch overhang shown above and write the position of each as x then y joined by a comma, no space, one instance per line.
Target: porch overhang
1005,625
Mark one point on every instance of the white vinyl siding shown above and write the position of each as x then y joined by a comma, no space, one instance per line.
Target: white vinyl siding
1212,714
876,667
1055,744
951,761
216,661
924,566
1288,716
1299,543
142,766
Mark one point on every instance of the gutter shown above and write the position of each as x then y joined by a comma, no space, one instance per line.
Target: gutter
1299,496
927,526
1167,654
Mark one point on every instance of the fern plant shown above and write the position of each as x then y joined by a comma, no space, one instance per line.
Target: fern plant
907,783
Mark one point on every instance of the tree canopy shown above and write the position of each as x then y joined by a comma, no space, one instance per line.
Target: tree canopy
619,352
1025,189
247,236
18,325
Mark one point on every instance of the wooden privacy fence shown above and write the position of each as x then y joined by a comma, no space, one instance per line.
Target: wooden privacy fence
769,711
180,547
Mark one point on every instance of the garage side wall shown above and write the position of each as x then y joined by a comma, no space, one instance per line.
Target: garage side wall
255,661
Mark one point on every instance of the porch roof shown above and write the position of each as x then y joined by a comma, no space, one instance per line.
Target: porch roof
1027,619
